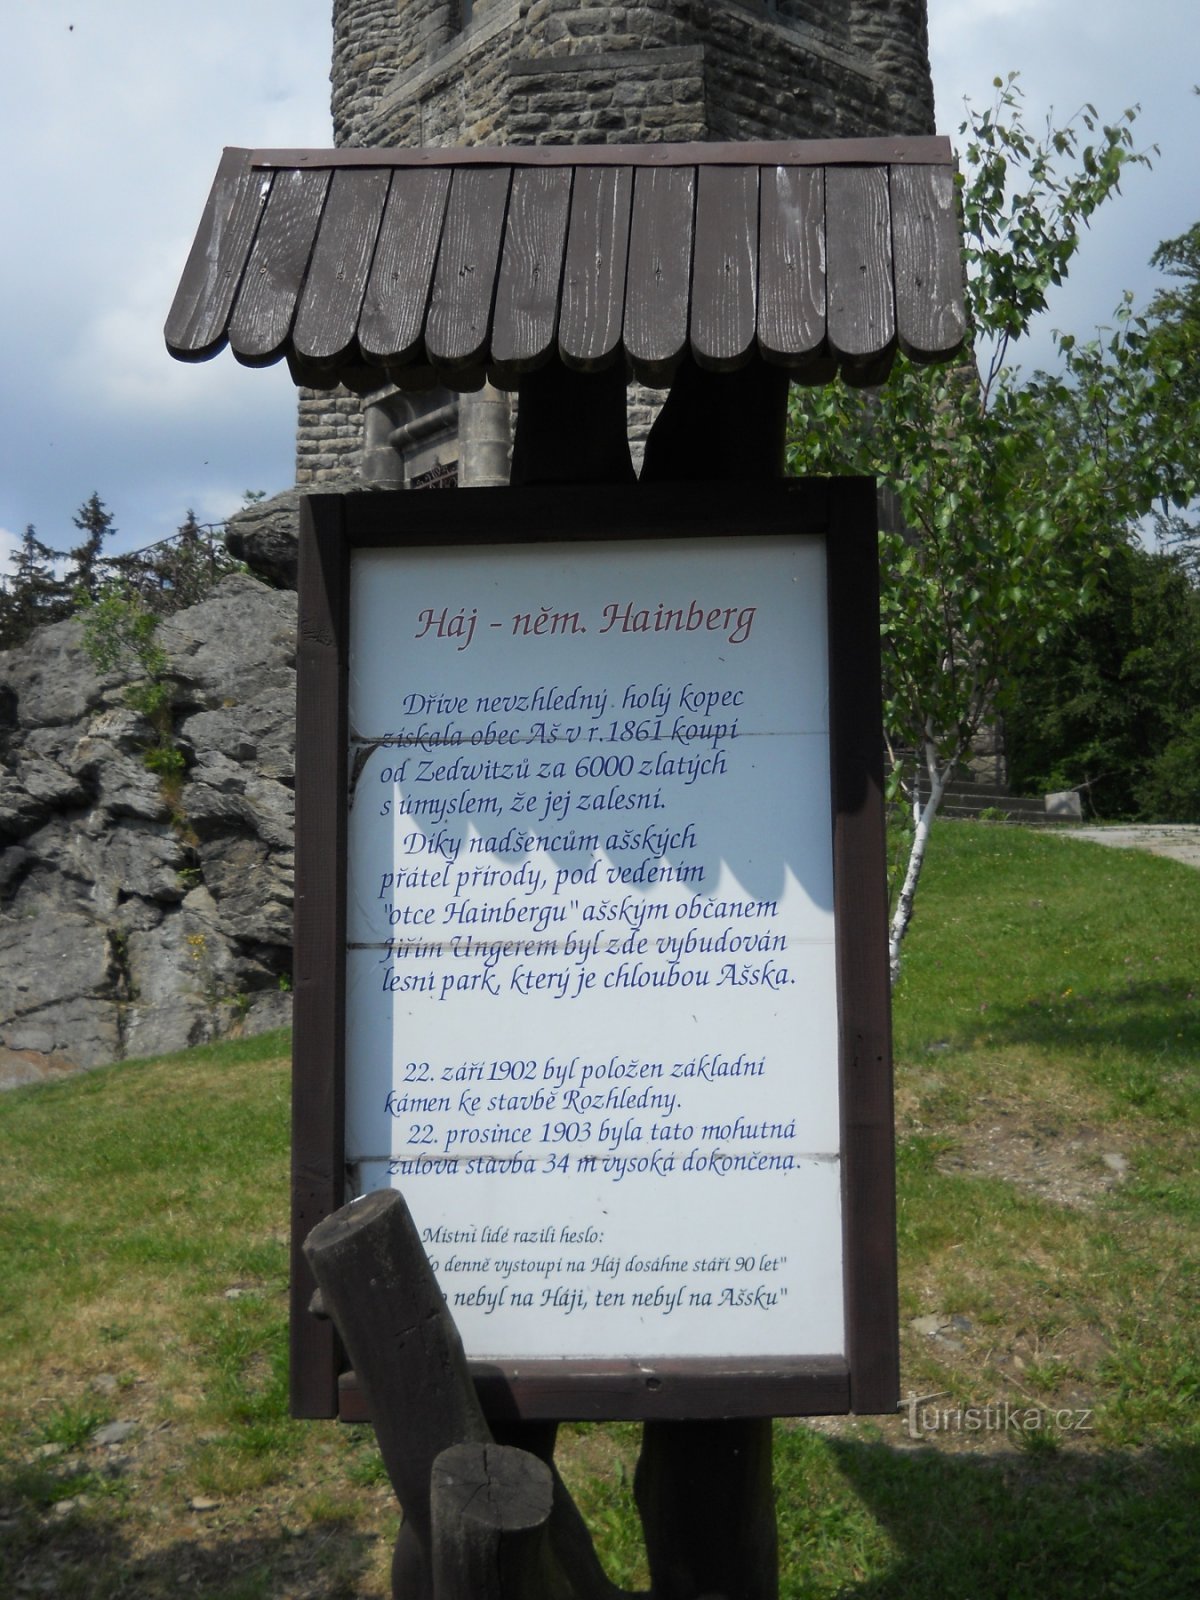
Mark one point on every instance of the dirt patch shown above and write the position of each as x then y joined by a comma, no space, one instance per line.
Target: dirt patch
1074,1166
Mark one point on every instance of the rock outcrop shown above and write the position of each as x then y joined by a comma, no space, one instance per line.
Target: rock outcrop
138,916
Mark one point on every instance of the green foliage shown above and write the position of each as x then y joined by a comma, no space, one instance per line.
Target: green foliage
1108,704
1173,350
1170,791
71,1426
121,633
1007,492
35,592
1025,203
166,760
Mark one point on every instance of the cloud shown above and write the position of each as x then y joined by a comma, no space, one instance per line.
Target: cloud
1068,55
132,102
10,543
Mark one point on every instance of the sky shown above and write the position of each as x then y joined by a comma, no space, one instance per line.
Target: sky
114,116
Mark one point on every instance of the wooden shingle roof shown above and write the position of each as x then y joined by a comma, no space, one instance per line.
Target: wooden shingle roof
448,266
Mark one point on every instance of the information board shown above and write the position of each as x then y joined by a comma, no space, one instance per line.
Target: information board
588,941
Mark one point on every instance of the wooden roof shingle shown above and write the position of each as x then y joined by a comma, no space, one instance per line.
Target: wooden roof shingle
424,267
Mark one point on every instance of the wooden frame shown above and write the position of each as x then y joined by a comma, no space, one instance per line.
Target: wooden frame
911,150
842,513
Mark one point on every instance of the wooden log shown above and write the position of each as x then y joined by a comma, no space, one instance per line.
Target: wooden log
491,1509
571,1545
377,1285
704,1493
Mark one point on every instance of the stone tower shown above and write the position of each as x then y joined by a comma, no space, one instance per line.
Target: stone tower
464,72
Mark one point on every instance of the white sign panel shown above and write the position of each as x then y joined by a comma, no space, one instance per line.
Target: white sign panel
591,1002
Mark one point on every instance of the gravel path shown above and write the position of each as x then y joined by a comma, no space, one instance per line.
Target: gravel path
1179,840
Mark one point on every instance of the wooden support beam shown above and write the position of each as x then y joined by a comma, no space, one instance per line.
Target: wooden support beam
705,1494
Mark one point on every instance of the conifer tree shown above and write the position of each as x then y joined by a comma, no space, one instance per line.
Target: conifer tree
34,594
95,520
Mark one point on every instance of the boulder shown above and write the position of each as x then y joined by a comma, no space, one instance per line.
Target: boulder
264,536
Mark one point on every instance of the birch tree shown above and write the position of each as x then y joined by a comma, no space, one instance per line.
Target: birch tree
1174,347
1008,489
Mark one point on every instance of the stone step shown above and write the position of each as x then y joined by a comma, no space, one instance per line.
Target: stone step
972,800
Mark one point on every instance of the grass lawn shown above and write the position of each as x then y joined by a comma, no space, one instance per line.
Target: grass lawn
1048,1100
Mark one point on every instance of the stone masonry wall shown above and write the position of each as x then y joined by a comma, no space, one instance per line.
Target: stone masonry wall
593,99
331,453
894,36
455,95
406,73
329,438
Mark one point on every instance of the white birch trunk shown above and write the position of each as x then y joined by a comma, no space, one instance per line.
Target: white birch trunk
923,815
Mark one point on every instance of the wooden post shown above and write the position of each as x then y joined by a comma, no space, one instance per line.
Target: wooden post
704,1492
720,425
488,1521
570,1538
377,1285
571,428
490,1509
